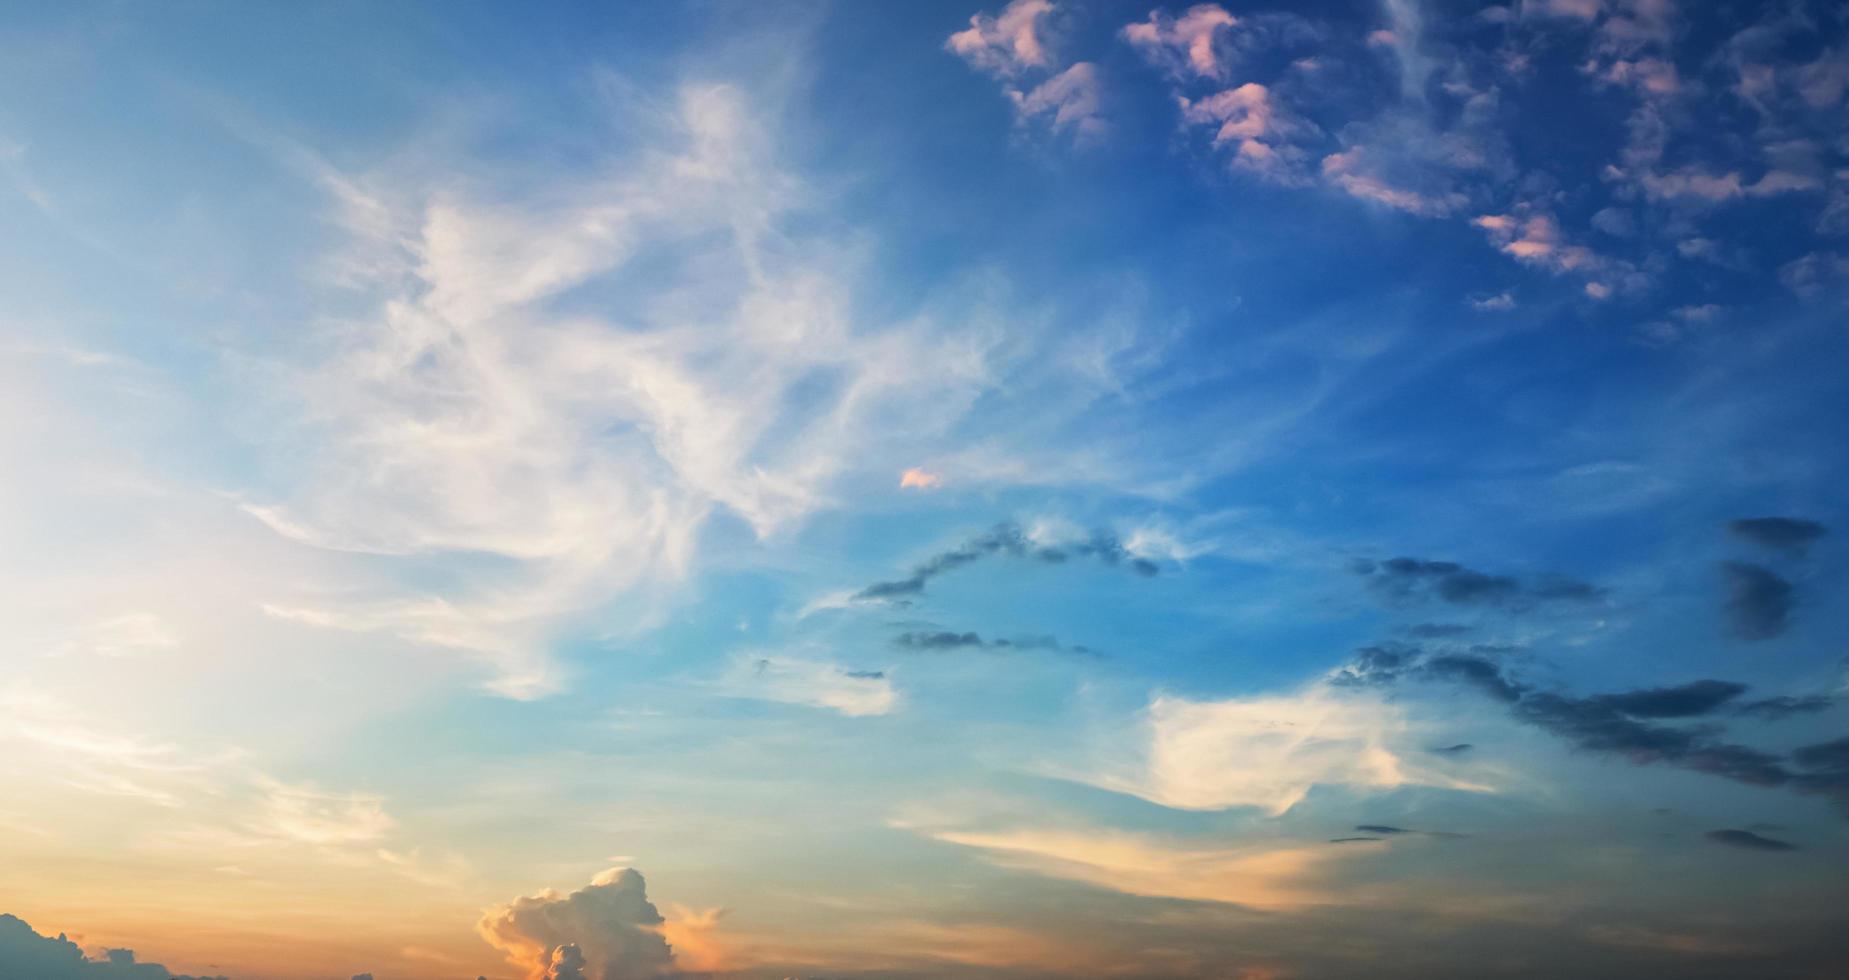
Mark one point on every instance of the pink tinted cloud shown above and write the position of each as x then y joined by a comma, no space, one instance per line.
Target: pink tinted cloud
1007,43
917,478
1184,44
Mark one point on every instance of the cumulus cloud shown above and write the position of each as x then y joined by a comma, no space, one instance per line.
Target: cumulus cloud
1759,601
26,955
607,930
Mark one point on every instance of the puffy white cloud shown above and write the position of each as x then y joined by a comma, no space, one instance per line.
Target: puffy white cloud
607,930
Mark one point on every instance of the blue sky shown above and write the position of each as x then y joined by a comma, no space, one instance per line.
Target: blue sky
1051,489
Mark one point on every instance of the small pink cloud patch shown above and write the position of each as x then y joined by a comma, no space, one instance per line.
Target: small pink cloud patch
918,479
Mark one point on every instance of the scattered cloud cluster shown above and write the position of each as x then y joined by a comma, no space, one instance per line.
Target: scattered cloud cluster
1015,48
1406,110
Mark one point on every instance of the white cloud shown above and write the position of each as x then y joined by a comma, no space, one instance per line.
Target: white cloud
607,930
815,683
584,452
1269,752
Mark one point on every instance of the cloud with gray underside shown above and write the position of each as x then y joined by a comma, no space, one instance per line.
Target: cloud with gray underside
26,955
1791,535
1009,541
1404,580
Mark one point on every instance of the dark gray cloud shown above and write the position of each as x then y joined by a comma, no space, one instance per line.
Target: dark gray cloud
1758,601
1785,705
1011,541
1458,749
1407,579
945,640
1387,830
866,675
1683,701
26,955
1824,755
1623,724
937,640
1792,535
1749,841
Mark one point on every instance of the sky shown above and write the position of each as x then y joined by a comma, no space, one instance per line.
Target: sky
924,490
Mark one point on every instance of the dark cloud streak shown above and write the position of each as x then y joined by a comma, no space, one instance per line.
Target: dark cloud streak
1407,579
1792,535
1009,540
1758,601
